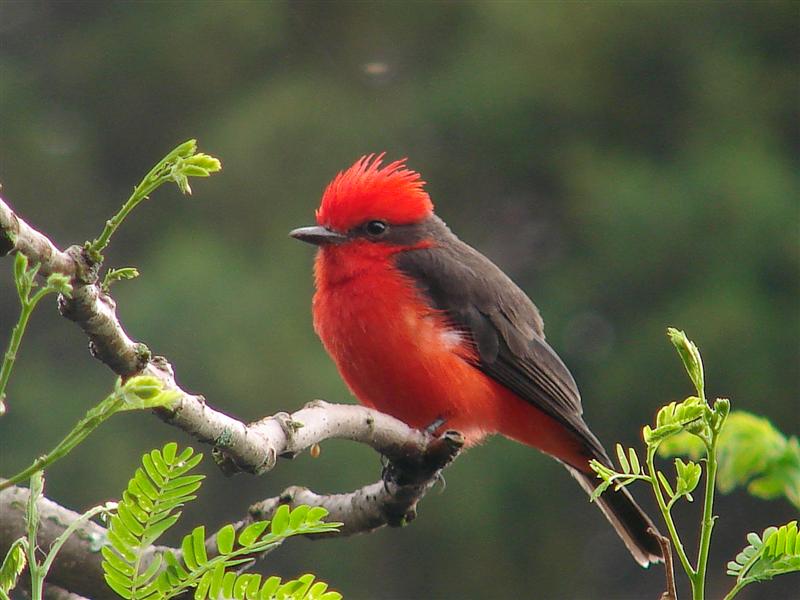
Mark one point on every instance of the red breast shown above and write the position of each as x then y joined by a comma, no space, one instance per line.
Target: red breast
394,351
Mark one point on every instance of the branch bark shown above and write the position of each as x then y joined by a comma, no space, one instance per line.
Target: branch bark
415,458
77,568
391,501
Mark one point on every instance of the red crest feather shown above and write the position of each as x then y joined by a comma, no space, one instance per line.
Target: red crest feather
368,191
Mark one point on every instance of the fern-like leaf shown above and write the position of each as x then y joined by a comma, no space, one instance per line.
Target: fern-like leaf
213,578
150,505
676,417
775,552
229,585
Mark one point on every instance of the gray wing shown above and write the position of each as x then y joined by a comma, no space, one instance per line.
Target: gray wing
503,323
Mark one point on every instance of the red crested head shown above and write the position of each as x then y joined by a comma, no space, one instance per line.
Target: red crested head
368,191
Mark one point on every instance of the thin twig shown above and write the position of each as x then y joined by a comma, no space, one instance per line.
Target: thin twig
671,592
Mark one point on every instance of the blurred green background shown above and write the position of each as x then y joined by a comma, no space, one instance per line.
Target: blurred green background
630,165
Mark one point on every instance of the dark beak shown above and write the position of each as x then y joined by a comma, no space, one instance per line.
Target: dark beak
317,235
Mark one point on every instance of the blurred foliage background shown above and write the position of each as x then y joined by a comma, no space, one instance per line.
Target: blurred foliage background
631,165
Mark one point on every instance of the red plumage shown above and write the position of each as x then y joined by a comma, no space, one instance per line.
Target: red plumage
402,356
424,328
368,191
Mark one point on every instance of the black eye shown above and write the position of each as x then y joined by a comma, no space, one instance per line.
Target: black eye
376,228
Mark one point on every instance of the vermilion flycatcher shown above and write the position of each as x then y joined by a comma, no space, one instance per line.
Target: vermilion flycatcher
425,328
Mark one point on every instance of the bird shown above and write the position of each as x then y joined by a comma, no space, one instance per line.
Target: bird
425,328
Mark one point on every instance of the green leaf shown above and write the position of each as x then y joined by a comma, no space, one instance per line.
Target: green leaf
297,518
752,453
152,533
182,466
159,463
150,505
125,535
290,589
280,520
195,171
181,494
131,523
598,491
138,495
665,484
20,266
186,457
636,467
655,436
121,587
688,476
252,532
174,565
114,275
690,356
297,589
114,561
185,150
623,461
316,514
13,565
145,485
59,282
121,546
152,471
203,588
145,391
246,586
675,418
217,581
149,573
225,539
168,452
205,162
721,410
199,545
163,489
187,548
228,582
269,588
775,552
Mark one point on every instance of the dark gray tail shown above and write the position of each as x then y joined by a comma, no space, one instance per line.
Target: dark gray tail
629,521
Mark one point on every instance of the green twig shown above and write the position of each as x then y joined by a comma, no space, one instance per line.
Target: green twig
32,521
177,166
85,426
25,280
73,526
38,571
138,392
707,525
11,354
666,512
735,590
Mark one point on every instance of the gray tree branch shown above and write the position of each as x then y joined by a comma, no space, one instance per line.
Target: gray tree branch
77,568
391,501
415,458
